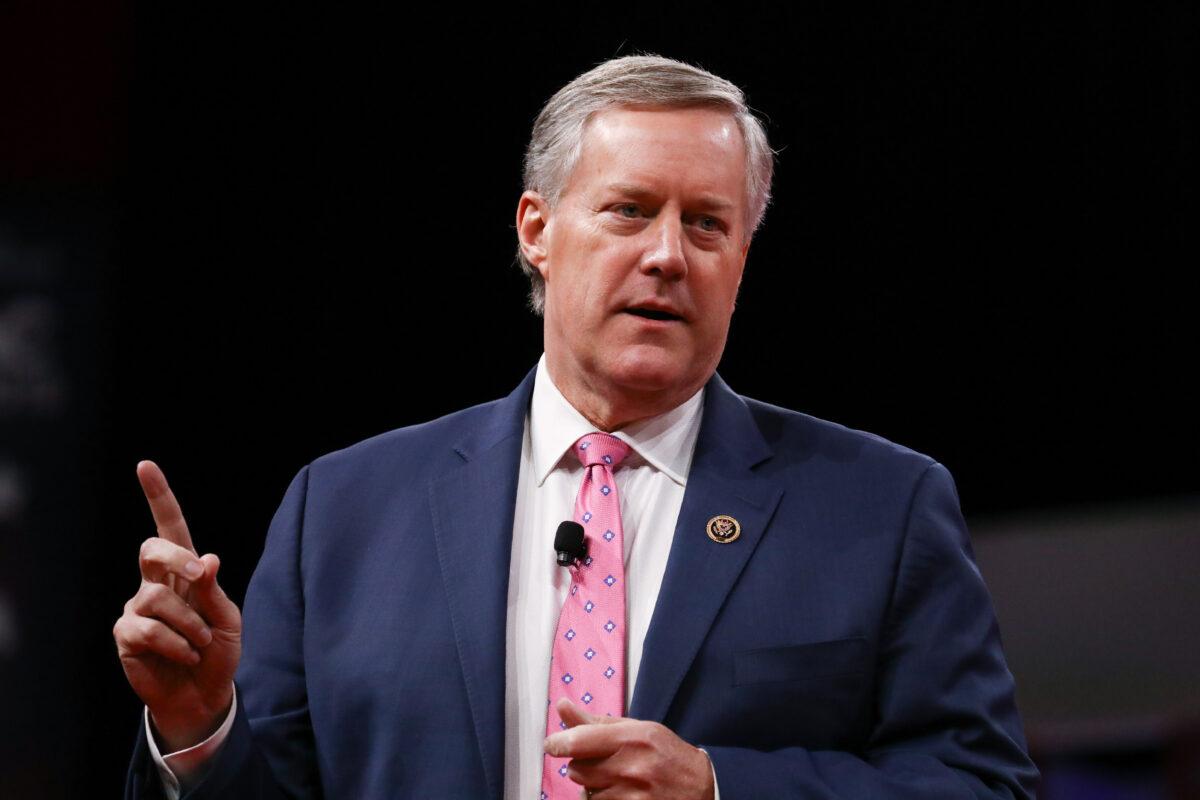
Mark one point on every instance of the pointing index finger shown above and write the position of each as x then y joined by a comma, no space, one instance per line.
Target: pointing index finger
592,740
573,715
168,517
587,735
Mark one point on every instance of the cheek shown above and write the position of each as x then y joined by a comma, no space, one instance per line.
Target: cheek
579,304
719,297
596,285
719,301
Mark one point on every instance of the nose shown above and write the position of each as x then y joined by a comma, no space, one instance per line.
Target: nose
665,253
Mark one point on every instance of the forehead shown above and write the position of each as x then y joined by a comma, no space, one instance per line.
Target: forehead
693,149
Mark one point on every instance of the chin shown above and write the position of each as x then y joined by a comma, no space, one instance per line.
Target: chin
651,372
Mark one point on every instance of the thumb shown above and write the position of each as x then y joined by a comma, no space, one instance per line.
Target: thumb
210,599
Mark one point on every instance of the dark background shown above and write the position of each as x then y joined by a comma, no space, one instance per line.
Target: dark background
232,240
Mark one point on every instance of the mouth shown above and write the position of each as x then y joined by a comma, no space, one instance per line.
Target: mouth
655,314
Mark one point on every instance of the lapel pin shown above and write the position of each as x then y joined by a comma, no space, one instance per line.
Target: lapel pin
723,529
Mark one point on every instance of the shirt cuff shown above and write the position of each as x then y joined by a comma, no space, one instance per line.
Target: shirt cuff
716,789
187,765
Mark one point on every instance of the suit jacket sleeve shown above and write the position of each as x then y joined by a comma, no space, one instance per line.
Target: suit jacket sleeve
946,723
270,752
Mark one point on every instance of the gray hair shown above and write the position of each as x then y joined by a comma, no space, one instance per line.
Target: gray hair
634,82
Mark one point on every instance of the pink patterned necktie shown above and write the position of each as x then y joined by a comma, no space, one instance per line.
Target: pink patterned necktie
587,662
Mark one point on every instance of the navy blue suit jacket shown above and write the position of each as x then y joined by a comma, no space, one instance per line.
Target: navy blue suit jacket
844,646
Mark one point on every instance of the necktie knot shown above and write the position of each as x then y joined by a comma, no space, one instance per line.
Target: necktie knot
600,448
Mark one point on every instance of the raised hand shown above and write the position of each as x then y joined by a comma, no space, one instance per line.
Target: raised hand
180,637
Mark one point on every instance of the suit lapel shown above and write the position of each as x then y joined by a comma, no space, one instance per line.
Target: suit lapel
473,506
700,572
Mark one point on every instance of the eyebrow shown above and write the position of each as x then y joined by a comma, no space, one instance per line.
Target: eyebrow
707,202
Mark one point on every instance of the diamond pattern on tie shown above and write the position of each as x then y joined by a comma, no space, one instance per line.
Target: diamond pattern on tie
587,663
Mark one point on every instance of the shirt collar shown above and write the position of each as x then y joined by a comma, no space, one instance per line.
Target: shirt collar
665,442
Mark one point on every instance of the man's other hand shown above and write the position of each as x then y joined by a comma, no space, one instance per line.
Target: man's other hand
180,637
618,757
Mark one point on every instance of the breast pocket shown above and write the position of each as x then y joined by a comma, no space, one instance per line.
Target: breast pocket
814,695
800,662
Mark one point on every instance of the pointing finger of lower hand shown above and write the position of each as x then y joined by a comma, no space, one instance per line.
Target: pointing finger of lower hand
168,518
574,715
596,740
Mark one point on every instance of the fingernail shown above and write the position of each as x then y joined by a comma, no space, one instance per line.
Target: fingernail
194,569
548,746
205,636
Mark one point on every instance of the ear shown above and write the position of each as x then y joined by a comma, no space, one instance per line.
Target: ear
533,219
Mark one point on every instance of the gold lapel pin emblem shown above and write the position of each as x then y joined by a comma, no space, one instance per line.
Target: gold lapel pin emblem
723,529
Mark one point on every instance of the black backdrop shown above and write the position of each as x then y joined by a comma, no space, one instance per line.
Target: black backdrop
278,231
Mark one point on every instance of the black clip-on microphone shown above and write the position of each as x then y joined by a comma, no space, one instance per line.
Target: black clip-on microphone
569,543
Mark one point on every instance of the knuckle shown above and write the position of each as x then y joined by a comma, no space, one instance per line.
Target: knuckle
640,735
654,737
136,606
124,644
154,594
146,552
141,602
638,772
192,621
145,631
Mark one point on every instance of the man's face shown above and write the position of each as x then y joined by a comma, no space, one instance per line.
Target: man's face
643,254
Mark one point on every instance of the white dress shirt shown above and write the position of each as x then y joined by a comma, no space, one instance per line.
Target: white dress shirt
650,484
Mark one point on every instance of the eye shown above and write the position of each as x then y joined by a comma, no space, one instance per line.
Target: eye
709,224
628,210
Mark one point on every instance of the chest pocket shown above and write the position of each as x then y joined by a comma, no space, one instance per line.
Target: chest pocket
800,662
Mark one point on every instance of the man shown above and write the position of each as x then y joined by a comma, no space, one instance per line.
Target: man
795,604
